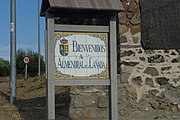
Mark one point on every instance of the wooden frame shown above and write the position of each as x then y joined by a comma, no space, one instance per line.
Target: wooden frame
51,83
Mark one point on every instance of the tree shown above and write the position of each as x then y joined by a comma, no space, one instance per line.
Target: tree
4,67
20,65
32,66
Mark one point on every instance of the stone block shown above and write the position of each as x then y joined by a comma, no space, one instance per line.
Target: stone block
133,6
135,29
137,80
166,68
142,59
154,104
122,92
75,91
77,114
131,90
162,105
135,39
124,113
85,101
149,81
123,39
149,52
127,69
122,29
102,114
156,59
103,101
172,94
142,108
152,71
173,53
136,18
162,80
129,15
176,80
124,77
127,53
125,4
174,108
123,18
130,63
154,92
176,60
92,113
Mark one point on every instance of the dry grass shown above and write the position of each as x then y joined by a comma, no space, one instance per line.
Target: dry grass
31,99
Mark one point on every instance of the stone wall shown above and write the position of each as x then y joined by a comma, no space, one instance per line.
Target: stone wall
149,80
89,103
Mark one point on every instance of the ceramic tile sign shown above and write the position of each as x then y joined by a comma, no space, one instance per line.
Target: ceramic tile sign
81,55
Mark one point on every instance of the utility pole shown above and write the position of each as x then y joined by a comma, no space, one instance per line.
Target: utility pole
39,50
13,52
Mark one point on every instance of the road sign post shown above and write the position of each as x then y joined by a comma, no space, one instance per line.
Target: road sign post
26,71
26,61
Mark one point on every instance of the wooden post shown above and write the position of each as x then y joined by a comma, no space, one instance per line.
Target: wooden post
113,70
50,82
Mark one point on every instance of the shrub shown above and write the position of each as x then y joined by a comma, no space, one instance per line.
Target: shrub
32,66
4,67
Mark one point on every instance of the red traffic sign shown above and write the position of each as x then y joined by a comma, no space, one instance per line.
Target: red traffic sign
26,59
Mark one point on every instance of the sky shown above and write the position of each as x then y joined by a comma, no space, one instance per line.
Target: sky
26,27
